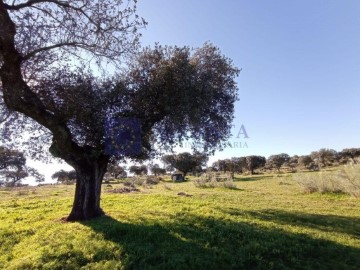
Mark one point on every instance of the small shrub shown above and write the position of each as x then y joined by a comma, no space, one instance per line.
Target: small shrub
346,180
138,180
207,180
152,180
213,180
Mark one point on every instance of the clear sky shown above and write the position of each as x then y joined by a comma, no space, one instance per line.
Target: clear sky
300,84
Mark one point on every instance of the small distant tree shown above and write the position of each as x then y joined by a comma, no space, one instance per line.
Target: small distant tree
13,168
212,169
276,161
185,162
292,163
239,164
254,162
349,154
324,157
231,166
197,170
11,158
235,165
13,178
39,178
156,170
115,171
63,176
138,170
221,165
169,168
60,176
305,161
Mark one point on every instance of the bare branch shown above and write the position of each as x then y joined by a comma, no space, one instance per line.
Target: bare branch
99,30
33,2
33,53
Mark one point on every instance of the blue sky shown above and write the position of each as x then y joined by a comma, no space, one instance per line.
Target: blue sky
300,84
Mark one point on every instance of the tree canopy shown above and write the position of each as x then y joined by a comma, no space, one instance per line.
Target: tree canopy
63,176
13,168
254,162
156,170
276,161
324,157
185,162
139,170
160,96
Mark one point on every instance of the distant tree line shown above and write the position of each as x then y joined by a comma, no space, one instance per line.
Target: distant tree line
187,163
317,160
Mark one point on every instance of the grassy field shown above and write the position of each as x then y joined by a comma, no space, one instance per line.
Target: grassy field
266,223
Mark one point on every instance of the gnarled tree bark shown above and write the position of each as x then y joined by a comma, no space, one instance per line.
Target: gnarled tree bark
90,166
90,174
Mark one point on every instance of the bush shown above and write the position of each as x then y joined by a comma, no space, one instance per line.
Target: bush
346,180
152,180
213,180
144,181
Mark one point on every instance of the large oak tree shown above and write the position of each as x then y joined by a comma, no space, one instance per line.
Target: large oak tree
171,93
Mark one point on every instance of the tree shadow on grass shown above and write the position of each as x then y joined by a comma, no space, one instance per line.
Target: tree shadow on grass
252,178
194,242
326,223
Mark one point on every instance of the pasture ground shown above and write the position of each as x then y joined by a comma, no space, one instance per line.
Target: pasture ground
266,223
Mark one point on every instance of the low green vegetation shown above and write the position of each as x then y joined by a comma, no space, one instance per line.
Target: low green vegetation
266,222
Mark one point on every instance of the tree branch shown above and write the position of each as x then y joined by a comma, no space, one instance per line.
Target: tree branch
34,52
32,2
63,4
18,95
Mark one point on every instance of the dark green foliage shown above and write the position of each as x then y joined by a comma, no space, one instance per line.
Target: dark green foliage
139,170
185,162
305,161
254,162
64,176
115,171
349,154
292,163
13,168
175,93
276,161
239,164
156,170
324,157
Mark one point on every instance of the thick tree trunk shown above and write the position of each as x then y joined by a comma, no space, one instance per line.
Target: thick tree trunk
88,190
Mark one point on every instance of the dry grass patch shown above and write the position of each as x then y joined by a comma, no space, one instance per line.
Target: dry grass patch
345,180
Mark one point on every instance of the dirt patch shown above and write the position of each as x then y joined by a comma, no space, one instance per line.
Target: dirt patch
184,194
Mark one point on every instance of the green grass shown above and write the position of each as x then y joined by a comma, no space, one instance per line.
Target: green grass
266,223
